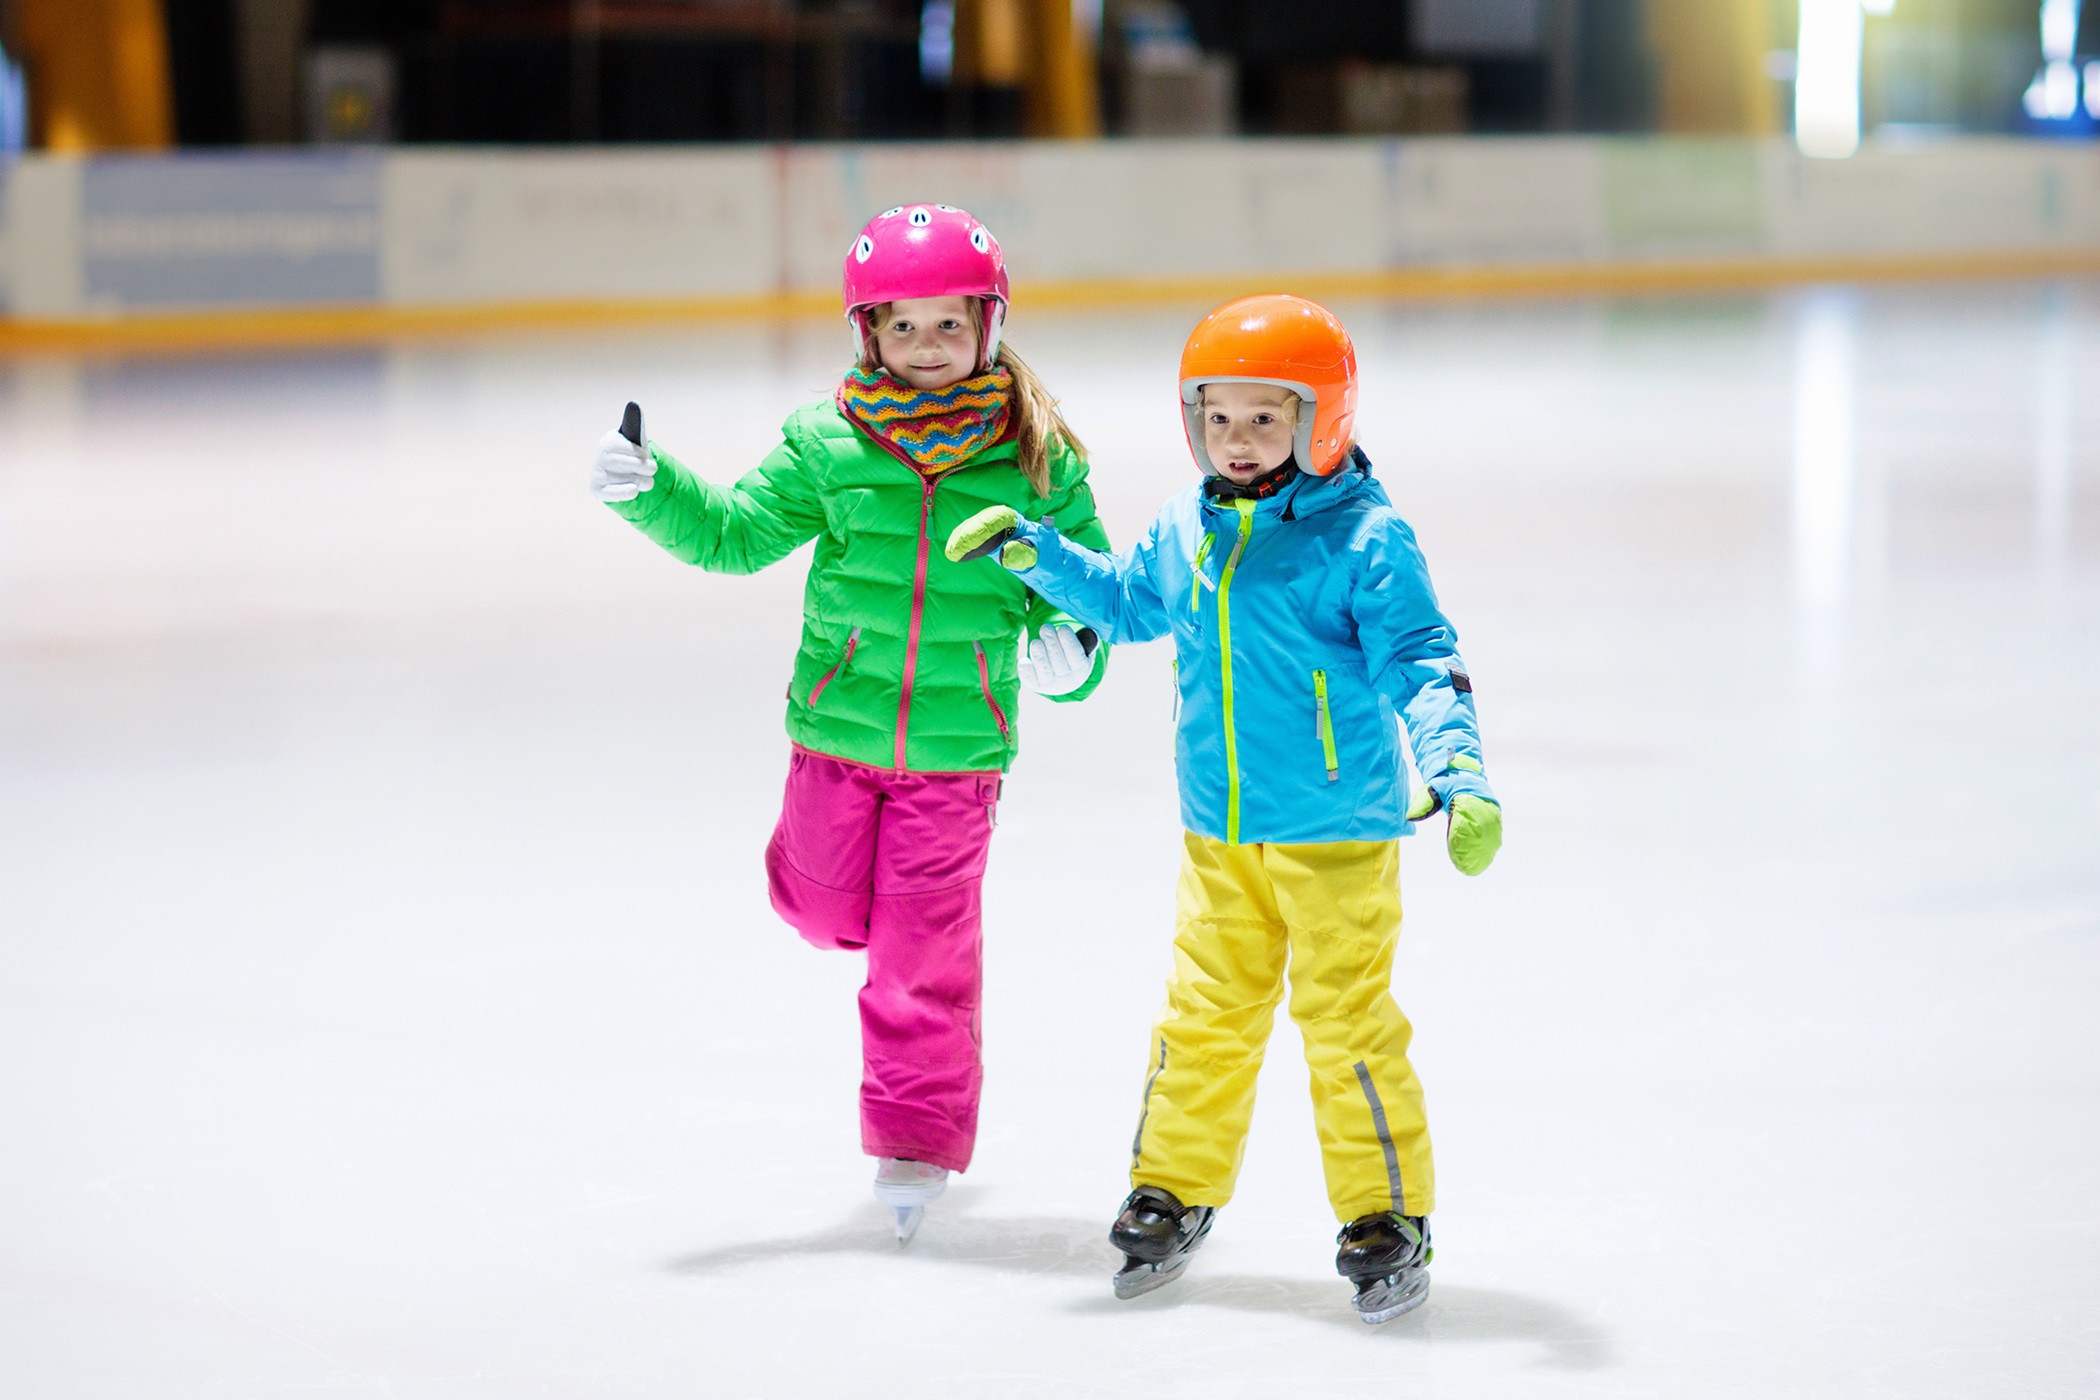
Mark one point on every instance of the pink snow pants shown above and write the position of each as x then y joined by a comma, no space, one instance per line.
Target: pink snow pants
894,862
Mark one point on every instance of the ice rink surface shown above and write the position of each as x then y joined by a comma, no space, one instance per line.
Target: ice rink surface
390,1006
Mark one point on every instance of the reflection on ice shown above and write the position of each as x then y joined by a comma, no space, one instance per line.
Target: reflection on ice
1826,469
2056,403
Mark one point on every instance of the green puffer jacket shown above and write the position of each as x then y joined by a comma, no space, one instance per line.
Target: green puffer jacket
907,661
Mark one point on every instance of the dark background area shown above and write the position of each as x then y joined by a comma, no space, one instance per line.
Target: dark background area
518,70
203,54
523,71
1285,50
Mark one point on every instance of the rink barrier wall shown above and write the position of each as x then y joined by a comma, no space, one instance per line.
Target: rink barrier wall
171,332
298,246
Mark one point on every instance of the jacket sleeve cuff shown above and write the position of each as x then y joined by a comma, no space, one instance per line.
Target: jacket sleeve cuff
1092,682
1037,536
1459,776
643,506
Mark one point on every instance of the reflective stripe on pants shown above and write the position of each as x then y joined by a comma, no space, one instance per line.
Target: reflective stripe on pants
1331,911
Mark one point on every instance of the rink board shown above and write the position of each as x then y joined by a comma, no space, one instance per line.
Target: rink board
393,234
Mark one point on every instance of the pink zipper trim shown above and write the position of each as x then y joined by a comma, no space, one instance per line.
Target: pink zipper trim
838,396
918,612
984,678
852,641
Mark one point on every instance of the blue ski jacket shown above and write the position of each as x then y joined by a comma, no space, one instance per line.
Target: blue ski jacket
1301,623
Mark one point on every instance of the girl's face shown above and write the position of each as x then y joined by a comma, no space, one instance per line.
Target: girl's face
929,342
1248,429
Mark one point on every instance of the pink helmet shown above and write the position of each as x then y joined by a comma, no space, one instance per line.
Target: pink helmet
926,250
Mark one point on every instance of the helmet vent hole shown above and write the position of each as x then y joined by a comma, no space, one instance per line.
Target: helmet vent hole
864,248
920,218
980,241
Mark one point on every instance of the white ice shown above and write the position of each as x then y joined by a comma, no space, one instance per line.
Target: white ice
389,1002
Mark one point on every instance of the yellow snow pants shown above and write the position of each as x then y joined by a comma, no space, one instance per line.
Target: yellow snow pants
1332,910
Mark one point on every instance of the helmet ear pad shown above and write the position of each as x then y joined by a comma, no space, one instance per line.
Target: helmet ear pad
1302,442
991,332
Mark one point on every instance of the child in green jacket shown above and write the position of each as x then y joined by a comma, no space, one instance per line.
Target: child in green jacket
902,704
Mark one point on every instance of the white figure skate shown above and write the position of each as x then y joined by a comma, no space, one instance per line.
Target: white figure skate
908,1187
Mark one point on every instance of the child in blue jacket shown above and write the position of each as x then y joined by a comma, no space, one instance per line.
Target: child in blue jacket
1303,620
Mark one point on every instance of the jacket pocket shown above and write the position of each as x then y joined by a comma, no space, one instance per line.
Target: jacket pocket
984,678
1326,723
852,641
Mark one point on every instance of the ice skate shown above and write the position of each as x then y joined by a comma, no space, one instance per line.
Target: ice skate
907,1188
1157,1234
1386,1256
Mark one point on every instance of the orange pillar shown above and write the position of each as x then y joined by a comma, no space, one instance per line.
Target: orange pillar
98,74
989,43
1060,93
1710,57
1032,45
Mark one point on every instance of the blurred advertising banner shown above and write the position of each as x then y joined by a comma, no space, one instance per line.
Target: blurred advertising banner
230,230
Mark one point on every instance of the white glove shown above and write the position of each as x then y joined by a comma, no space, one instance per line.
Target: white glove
1056,662
621,470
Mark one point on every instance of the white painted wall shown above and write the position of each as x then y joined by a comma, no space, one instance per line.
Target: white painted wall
473,227
42,237
480,227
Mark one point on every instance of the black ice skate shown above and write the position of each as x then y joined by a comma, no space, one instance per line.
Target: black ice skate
1157,1234
1387,1257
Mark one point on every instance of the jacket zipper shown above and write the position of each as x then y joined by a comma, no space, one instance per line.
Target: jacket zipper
1334,769
852,641
984,678
918,612
1232,743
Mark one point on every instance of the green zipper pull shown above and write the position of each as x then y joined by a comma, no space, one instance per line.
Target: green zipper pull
1334,767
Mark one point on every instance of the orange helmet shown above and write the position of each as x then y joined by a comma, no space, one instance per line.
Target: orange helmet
1283,340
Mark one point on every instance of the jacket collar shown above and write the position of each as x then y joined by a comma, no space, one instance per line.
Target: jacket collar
1308,495
1007,448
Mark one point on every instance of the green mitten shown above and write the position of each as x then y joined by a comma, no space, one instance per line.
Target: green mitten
992,529
1475,833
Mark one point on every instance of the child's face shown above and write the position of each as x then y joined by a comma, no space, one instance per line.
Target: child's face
929,342
1248,429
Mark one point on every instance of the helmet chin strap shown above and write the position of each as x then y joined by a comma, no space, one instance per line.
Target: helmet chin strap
1223,488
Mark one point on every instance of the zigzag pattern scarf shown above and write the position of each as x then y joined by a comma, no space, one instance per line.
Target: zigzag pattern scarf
935,428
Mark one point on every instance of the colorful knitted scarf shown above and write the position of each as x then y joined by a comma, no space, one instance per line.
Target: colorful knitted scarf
935,428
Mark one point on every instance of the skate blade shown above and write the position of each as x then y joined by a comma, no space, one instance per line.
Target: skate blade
1389,1298
902,1197
908,1218
1134,1282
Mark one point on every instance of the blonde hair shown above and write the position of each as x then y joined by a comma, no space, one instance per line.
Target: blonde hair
1037,423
